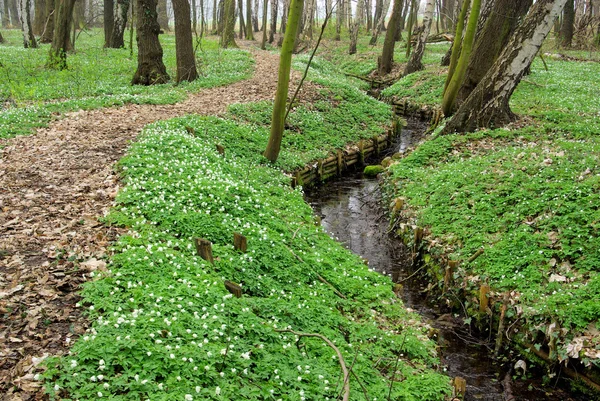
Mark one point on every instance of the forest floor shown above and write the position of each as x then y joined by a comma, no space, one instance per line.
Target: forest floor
55,185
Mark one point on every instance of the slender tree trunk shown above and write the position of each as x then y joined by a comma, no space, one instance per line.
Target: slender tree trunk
487,105
378,27
184,48
28,36
39,17
412,16
457,42
228,36
356,26
495,34
214,16
387,55
308,26
263,43
57,58
461,66
109,21
5,15
338,22
117,41
14,13
328,6
415,64
368,6
163,16
567,25
284,16
274,9
195,16
249,30
241,15
150,69
255,16
283,81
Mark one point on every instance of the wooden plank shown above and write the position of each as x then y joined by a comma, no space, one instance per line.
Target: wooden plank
204,249
239,242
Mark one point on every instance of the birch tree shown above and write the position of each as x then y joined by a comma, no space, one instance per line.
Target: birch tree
25,19
119,25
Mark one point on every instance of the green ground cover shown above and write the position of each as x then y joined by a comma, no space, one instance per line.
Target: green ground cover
528,195
97,77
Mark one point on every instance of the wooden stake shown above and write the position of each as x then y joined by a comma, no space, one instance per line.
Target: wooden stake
484,301
340,162
500,334
233,288
204,249
475,255
220,149
239,242
460,387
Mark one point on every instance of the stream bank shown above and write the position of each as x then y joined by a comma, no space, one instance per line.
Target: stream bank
350,210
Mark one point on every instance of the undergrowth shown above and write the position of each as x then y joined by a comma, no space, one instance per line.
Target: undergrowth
97,77
164,326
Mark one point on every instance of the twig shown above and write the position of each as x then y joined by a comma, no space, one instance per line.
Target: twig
341,360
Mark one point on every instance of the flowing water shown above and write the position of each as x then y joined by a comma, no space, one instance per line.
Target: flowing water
350,210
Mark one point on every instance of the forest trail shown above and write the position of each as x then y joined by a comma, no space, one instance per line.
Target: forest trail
54,186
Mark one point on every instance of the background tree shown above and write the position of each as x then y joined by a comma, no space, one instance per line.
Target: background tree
14,13
283,81
184,48
214,17
228,36
387,55
57,57
119,25
249,33
109,21
263,43
412,18
487,105
48,29
378,25
567,24
26,28
163,15
1,38
415,64
150,69
5,15
39,17
255,16
497,30
274,9
355,28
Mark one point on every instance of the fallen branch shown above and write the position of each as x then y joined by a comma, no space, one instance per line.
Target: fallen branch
341,360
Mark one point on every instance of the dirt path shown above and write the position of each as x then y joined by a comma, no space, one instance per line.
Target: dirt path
53,187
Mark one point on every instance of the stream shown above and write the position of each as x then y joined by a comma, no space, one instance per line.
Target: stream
351,211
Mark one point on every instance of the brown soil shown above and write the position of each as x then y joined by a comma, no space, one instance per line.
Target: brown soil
54,186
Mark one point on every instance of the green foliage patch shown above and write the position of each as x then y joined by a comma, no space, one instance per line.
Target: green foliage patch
97,77
164,326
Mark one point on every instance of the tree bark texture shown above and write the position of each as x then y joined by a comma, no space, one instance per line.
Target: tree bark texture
184,47
447,14
487,106
338,21
29,40
356,26
283,81
274,9
14,13
415,64
109,21
387,55
48,30
5,15
241,15
57,57
495,34
195,16
150,69
368,15
378,27
228,35
410,25
214,16
39,17
255,16
118,32
567,25
457,42
163,16
249,30
263,43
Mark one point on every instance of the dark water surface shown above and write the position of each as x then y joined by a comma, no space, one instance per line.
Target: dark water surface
351,211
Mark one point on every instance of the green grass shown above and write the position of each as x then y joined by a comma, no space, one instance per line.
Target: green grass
162,319
97,77
528,195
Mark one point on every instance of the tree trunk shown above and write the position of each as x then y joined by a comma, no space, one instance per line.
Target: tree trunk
378,27
461,66
387,55
308,21
28,36
48,30
1,38
249,30
5,15
415,64
567,25
411,23
263,43
487,106
283,80
241,15
150,69
214,17
195,16
119,25
368,15
14,13
495,34
456,43
328,7
447,14
39,17
338,21
274,9
184,48
163,16
255,16
57,58
284,15
109,21
356,26
228,36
